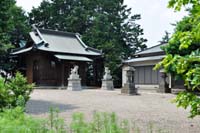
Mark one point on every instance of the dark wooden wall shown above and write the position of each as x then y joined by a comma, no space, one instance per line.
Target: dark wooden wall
44,69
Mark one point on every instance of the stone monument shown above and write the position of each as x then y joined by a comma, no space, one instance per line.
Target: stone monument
74,82
129,86
163,85
107,82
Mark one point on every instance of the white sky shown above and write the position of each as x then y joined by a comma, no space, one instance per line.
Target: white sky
156,17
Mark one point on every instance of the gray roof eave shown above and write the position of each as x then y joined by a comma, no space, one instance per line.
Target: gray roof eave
70,57
153,49
88,54
142,59
87,47
22,51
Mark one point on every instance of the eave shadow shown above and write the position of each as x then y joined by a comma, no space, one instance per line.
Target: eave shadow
37,107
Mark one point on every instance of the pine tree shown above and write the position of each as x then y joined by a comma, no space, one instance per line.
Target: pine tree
104,24
13,28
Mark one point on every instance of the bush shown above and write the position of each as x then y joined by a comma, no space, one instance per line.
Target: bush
15,121
15,92
5,97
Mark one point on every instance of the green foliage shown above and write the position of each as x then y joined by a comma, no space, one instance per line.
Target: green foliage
5,25
165,38
15,121
20,87
5,97
54,123
177,4
104,24
188,99
14,92
183,52
13,28
101,123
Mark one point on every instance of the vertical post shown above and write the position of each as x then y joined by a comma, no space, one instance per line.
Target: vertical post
170,81
95,73
62,74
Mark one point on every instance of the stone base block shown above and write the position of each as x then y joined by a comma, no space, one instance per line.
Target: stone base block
107,85
129,88
163,89
74,85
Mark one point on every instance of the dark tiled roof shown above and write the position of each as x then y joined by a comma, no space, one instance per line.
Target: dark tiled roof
59,42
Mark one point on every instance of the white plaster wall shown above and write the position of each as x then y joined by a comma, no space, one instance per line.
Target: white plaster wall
124,75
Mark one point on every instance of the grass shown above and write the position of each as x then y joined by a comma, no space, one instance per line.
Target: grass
16,121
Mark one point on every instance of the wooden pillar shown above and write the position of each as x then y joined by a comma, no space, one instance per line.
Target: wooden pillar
82,72
62,74
29,69
98,71
95,72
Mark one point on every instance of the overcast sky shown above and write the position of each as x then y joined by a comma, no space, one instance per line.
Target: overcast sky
156,17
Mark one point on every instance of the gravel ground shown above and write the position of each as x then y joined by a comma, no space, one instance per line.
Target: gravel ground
143,109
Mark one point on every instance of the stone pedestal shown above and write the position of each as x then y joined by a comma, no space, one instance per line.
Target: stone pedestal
129,88
107,85
74,84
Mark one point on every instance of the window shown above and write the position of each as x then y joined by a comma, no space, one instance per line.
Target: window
53,64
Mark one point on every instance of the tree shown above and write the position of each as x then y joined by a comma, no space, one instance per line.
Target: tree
165,38
183,52
103,24
13,28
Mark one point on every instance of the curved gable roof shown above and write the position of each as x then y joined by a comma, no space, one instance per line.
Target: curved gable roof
60,42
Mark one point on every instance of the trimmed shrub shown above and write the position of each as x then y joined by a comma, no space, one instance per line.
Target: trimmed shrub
14,92
5,97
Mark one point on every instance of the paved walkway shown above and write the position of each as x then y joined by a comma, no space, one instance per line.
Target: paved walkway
142,109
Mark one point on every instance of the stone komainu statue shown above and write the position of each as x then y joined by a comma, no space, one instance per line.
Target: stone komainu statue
107,75
107,82
74,70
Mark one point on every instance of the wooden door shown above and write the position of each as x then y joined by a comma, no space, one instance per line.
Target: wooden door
36,72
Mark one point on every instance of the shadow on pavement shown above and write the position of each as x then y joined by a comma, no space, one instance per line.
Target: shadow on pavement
37,107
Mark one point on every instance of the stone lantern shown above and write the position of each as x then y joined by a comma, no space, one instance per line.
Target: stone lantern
129,86
163,85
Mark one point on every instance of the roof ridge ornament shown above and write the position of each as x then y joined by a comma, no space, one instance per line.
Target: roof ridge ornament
37,33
